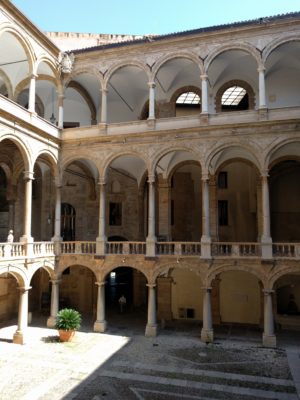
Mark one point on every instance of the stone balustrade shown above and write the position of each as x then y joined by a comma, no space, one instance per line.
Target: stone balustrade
184,249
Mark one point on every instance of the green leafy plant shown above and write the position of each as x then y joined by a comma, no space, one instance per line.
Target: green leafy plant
68,319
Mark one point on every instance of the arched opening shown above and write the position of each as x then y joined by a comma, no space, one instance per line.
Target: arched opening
78,290
237,201
285,215
187,103
9,298
68,222
40,295
235,95
23,99
4,207
129,283
240,300
287,306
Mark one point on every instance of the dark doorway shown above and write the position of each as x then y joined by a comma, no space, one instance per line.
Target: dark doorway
119,283
68,216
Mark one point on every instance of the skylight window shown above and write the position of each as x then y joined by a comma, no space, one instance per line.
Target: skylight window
188,98
233,96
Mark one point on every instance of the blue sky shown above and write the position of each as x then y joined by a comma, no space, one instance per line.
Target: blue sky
146,16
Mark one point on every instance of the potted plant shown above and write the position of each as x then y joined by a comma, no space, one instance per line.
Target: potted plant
67,322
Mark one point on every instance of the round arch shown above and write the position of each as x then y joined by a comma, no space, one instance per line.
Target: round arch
169,57
51,64
84,70
271,152
111,157
7,83
280,272
46,265
236,82
251,50
26,45
275,44
114,68
17,272
52,158
22,147
84,155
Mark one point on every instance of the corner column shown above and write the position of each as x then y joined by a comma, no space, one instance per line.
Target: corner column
207,333
20,334
31,100
54,303
104,106
266,240
206,238
100,323
151,100
269,338
204,94
57,225
151,327
262,88
27,238
61,98
151,238
101,239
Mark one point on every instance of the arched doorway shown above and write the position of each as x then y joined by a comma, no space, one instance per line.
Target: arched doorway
129,283
40,295
68,217
9,299
287,315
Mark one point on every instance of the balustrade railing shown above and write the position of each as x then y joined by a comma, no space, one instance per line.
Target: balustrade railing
227,249
125,248
43,248
285,250
165,248
8,250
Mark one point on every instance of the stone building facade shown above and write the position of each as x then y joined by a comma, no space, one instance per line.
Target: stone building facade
165,168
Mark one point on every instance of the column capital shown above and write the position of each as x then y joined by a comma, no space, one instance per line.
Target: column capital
205,177
152,84
268,292
203,77
102,283
261,68
104,90
151,285
151,179
24,289
28,175
264,174
207,288
57,182
55,281
33,76
102,181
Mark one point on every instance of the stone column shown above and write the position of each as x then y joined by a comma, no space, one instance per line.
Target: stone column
27,238
164,208
54,303
61,98
151,327
206,238
57,225
101,239
207,333
11,214
100,323
269,338
20,334
104,106
151,238
204,93
31,100
262,89
151,100
266,240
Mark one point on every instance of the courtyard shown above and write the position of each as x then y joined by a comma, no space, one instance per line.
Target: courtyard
124,364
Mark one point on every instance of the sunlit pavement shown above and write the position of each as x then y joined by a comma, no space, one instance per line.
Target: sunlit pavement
123,364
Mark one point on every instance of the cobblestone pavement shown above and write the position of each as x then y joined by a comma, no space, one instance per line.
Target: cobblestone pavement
123,364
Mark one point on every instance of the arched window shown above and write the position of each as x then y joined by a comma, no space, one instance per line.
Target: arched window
235,96
187,103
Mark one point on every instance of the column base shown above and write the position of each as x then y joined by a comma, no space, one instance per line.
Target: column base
19,338
100,326
150,247
207,335
51,321
269,340
151,330
204,118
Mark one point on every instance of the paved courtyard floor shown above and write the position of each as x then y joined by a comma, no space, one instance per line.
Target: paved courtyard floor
123,364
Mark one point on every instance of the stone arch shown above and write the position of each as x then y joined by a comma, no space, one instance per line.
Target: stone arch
86,96
276,43
166,268
278,273
52,158
168,150
27,47
25,83
182,164
214,271
63,266
248,48
84,155
274,148
51,63
129,63
17,272
182,90
111,157
46,265
23,148
235,82
181,54
225,146
7,84
84,70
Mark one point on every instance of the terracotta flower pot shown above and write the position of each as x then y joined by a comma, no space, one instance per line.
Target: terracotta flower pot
66,336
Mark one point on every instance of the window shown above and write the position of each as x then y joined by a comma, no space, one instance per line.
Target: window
188,98
222,180
115,214
235,98
223,212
